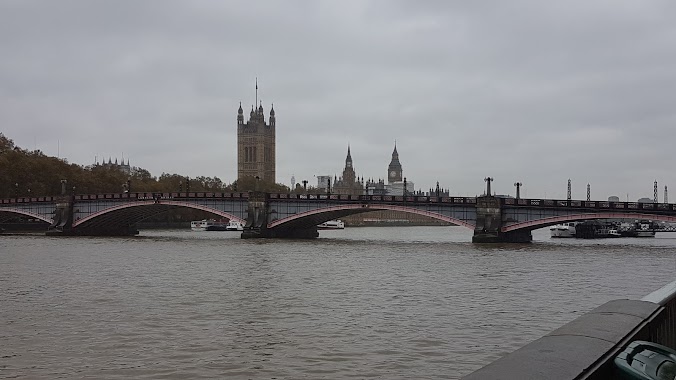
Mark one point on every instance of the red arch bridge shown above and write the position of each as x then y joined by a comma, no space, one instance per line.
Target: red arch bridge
493,219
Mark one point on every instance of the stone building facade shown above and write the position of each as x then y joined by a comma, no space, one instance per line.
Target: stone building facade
394,170
348,183
256,152
124,168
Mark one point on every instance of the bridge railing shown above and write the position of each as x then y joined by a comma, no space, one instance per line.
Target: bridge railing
586,347
27,200
373,198
655,208
160,195
597,205
123,196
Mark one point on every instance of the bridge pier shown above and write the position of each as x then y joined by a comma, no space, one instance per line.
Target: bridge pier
264,233
63,223
63,217
257,220
489,224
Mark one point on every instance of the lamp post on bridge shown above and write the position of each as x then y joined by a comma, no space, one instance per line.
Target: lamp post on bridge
128,187
63,186
488,185
180,186
16,190
405,188
328,188
304,185
518,188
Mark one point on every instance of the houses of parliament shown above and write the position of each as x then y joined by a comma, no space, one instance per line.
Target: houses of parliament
256,150
256,157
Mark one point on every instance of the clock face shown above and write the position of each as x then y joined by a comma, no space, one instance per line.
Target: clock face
393,173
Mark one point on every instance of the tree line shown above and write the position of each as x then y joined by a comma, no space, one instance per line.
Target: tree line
26,173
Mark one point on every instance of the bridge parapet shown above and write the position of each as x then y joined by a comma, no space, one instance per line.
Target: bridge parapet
41,208
586,347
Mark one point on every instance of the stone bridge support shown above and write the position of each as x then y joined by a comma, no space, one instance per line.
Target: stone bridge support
489,224
63,217
258,217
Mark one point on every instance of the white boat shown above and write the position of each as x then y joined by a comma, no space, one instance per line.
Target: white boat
563,230
234,226
331,225
645,228
208,225
614,233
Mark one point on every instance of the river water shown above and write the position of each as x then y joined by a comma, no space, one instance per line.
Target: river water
371,302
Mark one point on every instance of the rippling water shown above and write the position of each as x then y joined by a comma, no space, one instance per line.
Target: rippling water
390,303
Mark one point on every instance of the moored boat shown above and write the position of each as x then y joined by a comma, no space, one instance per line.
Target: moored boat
614,233
563,230
645,228
208,225
640,228
331,225
234,226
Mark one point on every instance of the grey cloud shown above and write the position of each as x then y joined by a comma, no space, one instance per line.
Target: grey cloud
523,90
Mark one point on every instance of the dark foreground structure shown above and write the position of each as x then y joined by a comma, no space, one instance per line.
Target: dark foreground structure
587,347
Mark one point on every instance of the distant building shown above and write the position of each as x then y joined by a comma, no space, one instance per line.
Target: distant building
348,183
394,170
124,168
400,188
376,187
256,154
645,200
323,182
613,198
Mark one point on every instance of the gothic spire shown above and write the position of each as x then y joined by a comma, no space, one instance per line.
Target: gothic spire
348,159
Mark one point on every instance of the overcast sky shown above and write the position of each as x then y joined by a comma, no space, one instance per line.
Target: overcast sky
530,91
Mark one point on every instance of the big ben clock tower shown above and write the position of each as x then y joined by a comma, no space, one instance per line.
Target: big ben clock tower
394,172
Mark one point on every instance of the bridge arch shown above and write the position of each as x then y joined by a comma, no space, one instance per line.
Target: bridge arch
131,213
320,215
550,221
16,211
